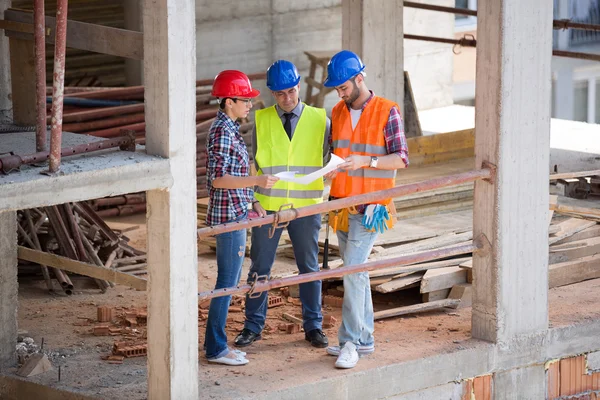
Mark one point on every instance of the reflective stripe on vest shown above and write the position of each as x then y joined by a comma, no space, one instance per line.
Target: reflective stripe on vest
299,194
303,154
367,138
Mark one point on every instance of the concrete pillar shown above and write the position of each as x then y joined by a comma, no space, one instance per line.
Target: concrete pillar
564,94
512,131
8,288
374,29
5,85
170,97
133,21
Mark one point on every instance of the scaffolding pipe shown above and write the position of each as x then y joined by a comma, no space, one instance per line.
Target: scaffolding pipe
40,73
289,214
557,24
12,162
58,86
470,41
263,285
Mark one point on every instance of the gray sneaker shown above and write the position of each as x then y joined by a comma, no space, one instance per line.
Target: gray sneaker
362,350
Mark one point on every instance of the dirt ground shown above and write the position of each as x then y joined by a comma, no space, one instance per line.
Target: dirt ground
279,360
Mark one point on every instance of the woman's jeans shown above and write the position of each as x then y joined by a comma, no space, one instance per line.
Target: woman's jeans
231,249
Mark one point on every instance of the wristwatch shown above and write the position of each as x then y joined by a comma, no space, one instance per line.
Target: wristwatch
373,163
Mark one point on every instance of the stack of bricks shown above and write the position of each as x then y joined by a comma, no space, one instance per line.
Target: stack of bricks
127,349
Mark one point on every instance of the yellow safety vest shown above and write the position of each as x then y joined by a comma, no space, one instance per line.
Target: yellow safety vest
276,153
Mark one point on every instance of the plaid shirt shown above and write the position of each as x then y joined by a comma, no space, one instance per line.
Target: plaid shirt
226,155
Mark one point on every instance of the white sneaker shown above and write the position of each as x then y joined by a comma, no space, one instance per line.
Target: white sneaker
348,356
362,350
231,358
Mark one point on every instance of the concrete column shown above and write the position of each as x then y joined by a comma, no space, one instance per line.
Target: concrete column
170,96
564,94
133,22
8,288
5,85
512,125
374,29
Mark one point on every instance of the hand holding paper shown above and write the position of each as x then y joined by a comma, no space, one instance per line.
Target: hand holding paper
289,176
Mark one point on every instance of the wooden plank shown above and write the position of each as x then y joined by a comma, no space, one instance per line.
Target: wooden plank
591,247
418,267
570,272
82,268
577,174
412,125
435,295
85,36
553,201
22,73
441,147
570,227
462,292
443,278
588,233
416,308
400,283
576,206
429,244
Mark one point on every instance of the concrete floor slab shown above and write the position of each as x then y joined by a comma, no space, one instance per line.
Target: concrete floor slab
87,176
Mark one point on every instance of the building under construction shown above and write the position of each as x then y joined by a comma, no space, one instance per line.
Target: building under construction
487,288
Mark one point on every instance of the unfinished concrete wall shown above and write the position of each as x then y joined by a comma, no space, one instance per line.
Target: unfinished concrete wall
250,35
8,288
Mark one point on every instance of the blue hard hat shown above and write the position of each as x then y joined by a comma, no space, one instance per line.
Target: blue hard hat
343,66
282,75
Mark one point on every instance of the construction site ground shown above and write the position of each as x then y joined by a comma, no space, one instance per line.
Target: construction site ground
278,361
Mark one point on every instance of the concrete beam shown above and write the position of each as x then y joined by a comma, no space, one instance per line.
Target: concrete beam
528,382
510,297
170,95
5,82
374,30
8,288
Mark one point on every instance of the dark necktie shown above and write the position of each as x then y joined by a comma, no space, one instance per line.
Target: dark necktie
287,125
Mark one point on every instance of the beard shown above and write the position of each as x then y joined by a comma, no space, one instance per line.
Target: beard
354,95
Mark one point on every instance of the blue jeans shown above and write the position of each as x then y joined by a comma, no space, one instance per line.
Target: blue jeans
231,248
304,234
357,311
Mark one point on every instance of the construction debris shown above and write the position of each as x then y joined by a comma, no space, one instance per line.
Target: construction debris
75,231
36,364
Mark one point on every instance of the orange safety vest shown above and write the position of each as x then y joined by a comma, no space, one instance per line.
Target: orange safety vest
367,139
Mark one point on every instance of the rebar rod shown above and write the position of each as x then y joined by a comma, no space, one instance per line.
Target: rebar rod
40,74
556,24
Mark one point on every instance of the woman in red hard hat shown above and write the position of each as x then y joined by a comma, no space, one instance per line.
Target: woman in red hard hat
230,196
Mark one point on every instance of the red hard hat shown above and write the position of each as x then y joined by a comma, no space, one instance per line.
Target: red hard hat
232,83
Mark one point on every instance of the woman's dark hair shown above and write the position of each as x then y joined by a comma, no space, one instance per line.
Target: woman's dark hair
222,103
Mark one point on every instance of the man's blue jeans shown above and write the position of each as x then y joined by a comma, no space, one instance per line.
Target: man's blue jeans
231,249
357,312
304,234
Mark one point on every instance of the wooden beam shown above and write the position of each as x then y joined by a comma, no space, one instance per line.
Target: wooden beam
417,308
81,268
443,278
577,174
574,271
574,250
85,36
570,227
22,74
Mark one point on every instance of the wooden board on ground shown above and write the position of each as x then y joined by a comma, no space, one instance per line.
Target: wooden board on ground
570,227
574,271
417,308
576,206
443,278
400,283
578,249
591,232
